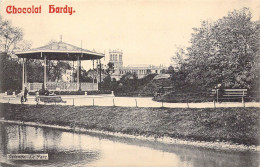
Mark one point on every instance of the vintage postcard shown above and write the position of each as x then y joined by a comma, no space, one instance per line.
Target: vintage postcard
129,83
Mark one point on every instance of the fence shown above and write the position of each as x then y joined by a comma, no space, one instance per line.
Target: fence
173,97
62,86
132,102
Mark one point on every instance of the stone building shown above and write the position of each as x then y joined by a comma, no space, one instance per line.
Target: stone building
141,70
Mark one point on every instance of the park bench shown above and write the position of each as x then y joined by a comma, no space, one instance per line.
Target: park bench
51,99
229,94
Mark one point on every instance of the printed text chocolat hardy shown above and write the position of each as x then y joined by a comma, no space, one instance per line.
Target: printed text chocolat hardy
66,9
18,10
11,9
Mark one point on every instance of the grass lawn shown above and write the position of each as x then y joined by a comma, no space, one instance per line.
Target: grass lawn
236,125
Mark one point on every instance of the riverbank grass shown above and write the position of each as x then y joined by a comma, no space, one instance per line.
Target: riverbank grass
235,125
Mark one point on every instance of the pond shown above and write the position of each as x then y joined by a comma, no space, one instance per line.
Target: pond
74,149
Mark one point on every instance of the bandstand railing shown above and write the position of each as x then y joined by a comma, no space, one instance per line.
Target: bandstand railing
62,86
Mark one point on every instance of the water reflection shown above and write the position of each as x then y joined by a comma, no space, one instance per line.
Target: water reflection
64,148
72,149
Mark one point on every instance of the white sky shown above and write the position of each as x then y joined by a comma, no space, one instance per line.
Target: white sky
147,31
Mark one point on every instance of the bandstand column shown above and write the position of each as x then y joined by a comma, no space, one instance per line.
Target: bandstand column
23,76
78,74
45,72
25,72
93,73
100,70
97,71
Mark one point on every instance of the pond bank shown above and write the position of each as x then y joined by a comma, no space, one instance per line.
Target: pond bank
221,128
165,140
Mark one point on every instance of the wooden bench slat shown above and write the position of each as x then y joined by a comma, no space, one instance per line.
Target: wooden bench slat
235,89
234,93
230,93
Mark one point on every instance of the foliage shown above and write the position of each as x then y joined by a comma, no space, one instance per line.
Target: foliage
11,69
84,76
9,36
107,83
56,69
225,51
10,73
34,71
110,68
128,83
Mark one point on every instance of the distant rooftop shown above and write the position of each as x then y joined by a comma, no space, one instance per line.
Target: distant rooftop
145,65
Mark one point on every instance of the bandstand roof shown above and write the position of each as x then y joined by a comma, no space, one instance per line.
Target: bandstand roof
60,51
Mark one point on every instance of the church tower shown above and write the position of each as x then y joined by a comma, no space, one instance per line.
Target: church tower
115,57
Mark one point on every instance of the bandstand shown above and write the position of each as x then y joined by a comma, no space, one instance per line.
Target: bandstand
59,51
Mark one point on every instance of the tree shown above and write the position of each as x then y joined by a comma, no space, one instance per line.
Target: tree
56,69
10,73
225,51
9,36
110,68
34,71
11,70
179,57
85,75
170,70
107,83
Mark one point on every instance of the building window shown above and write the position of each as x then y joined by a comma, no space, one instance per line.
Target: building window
156,71
111,57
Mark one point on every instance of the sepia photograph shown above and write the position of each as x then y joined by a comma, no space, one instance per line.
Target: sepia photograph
130,83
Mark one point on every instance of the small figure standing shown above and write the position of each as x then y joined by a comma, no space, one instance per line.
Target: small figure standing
46,92
37,97
25,94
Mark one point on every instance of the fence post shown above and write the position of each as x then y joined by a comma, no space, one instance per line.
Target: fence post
136,103
188,103
214,103
217,95
243,101
113,102
162,102
243,97
93,102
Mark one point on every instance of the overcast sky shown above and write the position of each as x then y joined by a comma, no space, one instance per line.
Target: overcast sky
147,31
